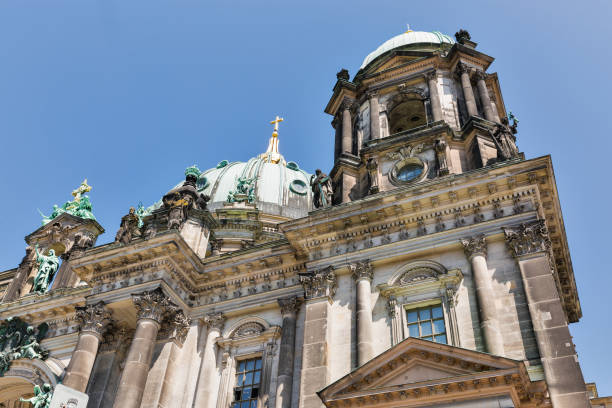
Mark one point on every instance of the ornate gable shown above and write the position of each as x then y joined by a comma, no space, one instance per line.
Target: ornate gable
417,371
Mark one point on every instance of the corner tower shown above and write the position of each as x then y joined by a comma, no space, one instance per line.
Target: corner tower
422,89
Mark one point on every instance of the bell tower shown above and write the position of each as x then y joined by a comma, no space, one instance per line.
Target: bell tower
421,106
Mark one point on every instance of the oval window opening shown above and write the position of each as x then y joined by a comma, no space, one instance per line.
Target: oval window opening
409,172
298,187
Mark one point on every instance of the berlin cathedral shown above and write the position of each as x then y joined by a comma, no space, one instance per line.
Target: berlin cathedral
428,268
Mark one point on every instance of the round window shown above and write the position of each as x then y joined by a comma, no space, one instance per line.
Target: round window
298,187
409,172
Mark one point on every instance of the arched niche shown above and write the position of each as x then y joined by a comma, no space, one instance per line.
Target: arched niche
19,380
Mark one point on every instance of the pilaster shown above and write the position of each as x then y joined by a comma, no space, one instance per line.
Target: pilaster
363,274
530,244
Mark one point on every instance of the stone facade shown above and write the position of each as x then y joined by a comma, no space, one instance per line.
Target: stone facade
441,276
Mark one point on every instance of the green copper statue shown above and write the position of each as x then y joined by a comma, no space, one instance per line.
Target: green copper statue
47,267
80,206
141,212
42,396
245,190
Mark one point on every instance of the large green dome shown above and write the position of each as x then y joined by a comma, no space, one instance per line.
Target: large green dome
409,39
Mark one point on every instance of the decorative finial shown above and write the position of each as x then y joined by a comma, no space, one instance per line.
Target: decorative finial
193,171
462,36
408,30
343,74
272,154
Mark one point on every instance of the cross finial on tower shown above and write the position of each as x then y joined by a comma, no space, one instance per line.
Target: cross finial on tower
275,122
408,30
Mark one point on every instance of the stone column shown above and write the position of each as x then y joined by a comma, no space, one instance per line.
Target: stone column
468,93
210,376
432,82
93,321
337,125
151,307
476,251
362,273
374,116
319,288
530,244
347,127
175,375
289,309
485,100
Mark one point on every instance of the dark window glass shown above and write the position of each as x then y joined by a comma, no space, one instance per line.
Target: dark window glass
409,172
427,323
248,378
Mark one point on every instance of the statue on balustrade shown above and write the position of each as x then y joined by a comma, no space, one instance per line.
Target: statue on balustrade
504,139
322,189
129,227
47,267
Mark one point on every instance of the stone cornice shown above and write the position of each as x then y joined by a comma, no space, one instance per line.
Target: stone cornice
40,308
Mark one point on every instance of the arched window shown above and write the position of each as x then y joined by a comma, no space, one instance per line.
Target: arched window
407,110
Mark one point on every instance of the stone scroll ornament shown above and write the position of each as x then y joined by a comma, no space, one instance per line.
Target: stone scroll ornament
47,267
20,340
322,189
42,396
80,206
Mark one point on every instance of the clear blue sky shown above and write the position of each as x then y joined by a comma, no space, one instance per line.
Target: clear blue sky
129,93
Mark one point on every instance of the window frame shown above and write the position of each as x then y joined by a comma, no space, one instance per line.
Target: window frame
421,305
236,372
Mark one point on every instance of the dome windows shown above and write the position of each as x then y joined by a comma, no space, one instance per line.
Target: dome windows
298,187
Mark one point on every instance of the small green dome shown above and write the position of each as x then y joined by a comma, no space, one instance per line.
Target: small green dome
409,38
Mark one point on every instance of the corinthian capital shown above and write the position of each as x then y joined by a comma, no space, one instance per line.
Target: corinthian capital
527,239
480,75
215,320
475,246
461,68
362,270
153,305
93,318
319,283
179,327
289,305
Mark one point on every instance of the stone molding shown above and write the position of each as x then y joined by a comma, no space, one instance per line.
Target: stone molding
473,246
93,318
153,305
528,238
319,283
215,320
431,75
362,270
289,305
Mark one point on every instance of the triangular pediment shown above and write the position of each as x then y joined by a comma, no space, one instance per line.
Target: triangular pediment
64,221
395,59
419,362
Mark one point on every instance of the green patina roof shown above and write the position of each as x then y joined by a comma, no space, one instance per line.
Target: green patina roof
406,39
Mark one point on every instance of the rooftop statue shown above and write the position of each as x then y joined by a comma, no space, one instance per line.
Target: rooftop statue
47,267
322,189
80,206
245,190
129,228
141,212
42,396
504,138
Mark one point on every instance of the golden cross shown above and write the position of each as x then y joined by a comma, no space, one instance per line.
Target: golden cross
275,123
83,188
